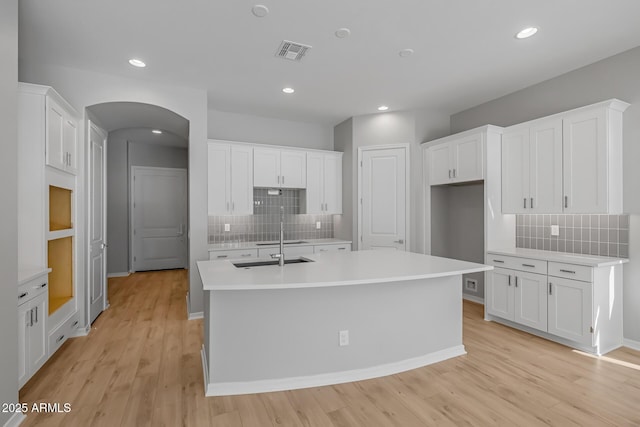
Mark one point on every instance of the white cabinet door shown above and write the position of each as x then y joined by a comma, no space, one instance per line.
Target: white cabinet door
24,322
56,154
439,164
332,183
500,293
545,170
467,159
38,333
241,180
515,171
530,303
266,167
293,169
219,171
570,309
585,162
70,144
315,183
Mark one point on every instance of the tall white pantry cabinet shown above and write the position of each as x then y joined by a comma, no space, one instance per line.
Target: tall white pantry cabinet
48,161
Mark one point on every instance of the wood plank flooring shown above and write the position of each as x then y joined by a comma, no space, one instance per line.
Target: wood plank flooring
140,366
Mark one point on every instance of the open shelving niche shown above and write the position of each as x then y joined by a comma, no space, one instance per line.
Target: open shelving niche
60,247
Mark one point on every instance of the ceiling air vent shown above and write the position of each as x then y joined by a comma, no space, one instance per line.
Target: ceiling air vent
292,50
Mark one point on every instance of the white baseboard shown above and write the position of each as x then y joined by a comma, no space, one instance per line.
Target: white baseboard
124,274
16,419
205,368
190,315
81,332
473,298
292,383
634,345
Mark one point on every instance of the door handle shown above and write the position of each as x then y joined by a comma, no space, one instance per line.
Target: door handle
454,173
449,173
401,241
103,245
525,203
509,280
566,201
531,203
550,291
516,281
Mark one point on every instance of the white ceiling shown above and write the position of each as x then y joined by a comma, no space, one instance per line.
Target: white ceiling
465,50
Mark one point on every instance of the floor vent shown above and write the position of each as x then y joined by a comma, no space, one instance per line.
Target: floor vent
292,50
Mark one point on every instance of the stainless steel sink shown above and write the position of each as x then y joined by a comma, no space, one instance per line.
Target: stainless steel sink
249,264
297,242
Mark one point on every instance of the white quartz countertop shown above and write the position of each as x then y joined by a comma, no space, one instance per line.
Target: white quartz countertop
262,245
28,274
334,269
564,257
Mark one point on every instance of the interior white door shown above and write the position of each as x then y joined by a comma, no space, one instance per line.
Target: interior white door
383,198
159,213
97,222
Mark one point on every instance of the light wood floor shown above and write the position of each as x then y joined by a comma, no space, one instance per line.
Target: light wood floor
140,366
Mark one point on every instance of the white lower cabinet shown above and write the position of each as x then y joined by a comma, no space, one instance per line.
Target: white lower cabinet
290,251
32,329
577,305
266,252
343,247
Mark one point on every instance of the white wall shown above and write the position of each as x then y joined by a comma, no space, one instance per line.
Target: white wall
8,210
402,127
122,153
264,130
343,141
85,88
614,77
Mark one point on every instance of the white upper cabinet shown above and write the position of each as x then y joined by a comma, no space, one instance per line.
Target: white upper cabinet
532,168
230,179
324,183
280,168
61,136
456,160
566,163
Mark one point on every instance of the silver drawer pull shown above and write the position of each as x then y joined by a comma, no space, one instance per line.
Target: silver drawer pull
22,295
529,265
245,255
221,256
44,285
498,260
568,271
74,324
60,338
342,249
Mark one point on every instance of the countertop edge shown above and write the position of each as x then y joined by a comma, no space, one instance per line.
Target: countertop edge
563,257
30,274
253,245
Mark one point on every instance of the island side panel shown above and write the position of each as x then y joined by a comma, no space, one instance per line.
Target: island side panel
257,335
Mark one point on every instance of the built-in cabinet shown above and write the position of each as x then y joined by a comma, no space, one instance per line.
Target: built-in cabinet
32,327
557,300
266,252
456,159
230,179
324,183
61,135
566,163
279,168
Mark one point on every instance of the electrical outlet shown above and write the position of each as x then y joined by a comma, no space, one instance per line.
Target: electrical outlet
471,285
555,230
318,225
227,227
344,338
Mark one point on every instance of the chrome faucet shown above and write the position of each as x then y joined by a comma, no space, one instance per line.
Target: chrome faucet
280,256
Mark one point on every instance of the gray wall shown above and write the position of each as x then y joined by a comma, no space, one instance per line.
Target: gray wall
8,211
401,127
614,77
343,227
121,155
264,130
457,226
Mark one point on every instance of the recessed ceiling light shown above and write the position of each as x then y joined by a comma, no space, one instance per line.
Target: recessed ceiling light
157,131
405,52
288,90
383,108
260,10
341,33
137,63
527,32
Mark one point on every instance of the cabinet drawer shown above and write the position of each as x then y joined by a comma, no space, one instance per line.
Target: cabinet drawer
516,263
345,247
233,254
61,333
571,271
32,289
288,251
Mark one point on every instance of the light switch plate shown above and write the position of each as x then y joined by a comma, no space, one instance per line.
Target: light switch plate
555,230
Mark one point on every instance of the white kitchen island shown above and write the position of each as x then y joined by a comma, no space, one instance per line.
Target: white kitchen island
272,328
